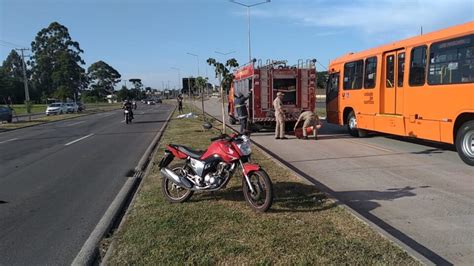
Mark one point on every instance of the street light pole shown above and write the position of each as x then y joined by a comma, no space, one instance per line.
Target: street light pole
248,19
197,61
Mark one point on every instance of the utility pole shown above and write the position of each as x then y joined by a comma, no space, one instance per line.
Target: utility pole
248,20
25,81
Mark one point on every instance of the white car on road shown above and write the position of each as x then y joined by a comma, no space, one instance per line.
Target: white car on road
72,107
56,109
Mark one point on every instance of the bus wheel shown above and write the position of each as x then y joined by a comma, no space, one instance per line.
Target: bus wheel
352,126
232,120
465,142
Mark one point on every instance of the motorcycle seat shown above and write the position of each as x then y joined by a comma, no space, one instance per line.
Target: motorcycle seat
195,154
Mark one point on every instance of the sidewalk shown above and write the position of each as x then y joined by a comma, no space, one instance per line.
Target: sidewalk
415,194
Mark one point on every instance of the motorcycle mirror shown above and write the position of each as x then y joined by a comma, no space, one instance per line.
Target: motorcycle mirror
207,125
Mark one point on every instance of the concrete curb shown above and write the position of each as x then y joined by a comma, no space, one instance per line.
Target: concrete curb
413,253
90,250
125,216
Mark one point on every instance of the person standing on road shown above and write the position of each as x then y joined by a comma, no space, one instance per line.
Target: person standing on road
279,117
310,120
180,103
240,103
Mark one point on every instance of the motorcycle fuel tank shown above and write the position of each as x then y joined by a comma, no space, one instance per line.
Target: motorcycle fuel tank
223,149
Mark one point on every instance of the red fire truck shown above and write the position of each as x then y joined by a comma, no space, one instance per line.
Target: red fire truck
298,82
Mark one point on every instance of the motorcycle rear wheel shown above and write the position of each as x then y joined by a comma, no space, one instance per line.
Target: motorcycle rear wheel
261,200
172,192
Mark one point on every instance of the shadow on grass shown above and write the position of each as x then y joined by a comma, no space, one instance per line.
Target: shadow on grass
288,197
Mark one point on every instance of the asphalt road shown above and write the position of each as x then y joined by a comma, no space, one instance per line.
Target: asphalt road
57,180
421,193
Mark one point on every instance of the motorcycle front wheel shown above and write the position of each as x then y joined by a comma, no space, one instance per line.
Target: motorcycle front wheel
172,192
262,198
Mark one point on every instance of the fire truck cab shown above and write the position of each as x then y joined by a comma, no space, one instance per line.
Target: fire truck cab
297,82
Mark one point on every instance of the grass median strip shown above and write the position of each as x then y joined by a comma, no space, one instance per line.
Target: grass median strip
45,119
302,227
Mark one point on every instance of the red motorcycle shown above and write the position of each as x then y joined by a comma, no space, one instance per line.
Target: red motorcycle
211,170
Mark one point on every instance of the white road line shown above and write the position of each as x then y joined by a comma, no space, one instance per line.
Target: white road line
77,123
5,141
79,139
122,121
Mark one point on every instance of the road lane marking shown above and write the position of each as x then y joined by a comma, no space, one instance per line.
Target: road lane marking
79,139
77,123
122,121
369,145
5,141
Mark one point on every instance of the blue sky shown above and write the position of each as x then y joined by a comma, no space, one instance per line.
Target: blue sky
146,38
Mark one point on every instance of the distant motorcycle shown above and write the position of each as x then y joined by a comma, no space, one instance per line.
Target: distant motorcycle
128,116
212,169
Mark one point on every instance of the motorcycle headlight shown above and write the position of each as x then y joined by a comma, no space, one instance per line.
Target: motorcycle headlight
245,147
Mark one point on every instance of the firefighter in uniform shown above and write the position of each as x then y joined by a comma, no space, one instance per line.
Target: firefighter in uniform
310,120
240,103
279,117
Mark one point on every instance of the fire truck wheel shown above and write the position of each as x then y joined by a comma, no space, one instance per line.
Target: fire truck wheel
232,120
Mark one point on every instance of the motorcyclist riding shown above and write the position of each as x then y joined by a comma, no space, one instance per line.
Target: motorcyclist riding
127,105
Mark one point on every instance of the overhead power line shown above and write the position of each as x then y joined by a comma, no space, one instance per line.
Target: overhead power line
12,44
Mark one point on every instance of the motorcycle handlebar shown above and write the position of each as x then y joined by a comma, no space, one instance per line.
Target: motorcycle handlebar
222,136
225,136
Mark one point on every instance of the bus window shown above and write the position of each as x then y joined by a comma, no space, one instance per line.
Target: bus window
370,73
353,73
452,61
417,66
332,87
390,72
401,69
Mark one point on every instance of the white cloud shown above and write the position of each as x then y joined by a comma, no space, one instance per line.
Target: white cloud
400,17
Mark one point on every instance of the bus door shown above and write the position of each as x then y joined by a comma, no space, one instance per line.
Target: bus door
392,82
332,98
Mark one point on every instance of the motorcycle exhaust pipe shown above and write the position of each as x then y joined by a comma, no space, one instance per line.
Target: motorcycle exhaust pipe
178,180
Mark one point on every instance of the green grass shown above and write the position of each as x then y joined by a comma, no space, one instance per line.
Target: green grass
45,119
302,227
20,109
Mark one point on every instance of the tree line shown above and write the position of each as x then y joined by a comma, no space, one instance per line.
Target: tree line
56,70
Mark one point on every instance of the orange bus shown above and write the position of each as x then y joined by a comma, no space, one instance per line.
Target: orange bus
422,87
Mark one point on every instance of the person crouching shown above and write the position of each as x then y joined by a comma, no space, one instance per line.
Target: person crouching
310,120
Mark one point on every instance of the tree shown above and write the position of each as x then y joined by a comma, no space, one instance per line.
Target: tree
103,78
11,79
137,83
322,79
224,72
56,62
123,93
12,66
201,83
